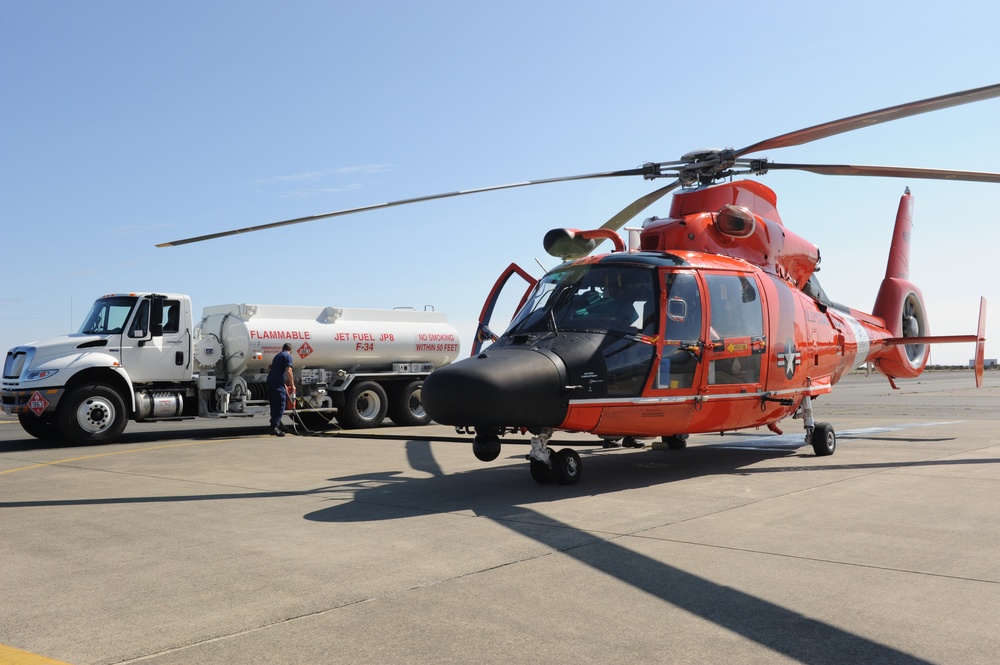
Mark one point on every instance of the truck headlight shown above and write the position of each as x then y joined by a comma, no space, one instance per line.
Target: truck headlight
36,374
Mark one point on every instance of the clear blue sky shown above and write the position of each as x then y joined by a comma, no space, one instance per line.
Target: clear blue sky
125,124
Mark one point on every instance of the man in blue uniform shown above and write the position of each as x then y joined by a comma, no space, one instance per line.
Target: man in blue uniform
279,379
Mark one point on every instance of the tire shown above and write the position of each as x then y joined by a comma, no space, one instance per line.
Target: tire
824,440
40,427
567,467
405,407
92,414
365,405
540,472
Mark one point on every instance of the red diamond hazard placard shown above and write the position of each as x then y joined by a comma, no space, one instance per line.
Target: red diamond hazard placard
304,350
37,404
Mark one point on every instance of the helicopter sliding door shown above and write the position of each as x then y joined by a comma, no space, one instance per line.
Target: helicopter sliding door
736,338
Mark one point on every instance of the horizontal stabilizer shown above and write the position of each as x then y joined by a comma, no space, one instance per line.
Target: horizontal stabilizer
979,338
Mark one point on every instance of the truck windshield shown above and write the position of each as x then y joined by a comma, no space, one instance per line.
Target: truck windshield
108,316
598,298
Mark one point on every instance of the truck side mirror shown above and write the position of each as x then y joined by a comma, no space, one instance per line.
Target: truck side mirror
156,317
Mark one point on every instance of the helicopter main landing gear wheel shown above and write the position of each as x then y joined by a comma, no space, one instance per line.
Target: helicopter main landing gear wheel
819,435
823,439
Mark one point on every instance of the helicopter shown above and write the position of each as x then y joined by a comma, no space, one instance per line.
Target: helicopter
711,319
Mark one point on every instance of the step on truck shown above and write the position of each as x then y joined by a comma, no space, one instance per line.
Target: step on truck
139,356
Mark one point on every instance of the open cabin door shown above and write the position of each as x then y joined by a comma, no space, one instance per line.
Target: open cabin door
483,332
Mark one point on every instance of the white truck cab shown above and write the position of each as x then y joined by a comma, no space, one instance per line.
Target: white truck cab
81,384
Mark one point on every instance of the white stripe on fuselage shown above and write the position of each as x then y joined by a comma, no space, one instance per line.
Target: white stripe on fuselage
861,337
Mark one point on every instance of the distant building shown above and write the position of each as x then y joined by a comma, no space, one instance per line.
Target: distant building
988,362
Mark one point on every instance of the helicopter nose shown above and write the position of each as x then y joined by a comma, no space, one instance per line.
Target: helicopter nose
517,387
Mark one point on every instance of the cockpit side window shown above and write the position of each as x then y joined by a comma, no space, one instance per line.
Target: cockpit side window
616,299
681,350
628,309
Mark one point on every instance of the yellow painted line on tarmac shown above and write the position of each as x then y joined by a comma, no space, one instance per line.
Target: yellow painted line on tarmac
119,452
12,656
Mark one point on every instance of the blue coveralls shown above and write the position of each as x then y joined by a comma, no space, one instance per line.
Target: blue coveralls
277,394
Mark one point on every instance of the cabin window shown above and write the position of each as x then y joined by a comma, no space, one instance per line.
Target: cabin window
171,316
140,324
736,329
171,319
682,332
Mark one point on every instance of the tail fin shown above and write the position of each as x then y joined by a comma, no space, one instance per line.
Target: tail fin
898,265
900,304
980,343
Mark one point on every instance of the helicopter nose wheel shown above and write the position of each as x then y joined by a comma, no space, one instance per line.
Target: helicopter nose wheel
564,466
567,466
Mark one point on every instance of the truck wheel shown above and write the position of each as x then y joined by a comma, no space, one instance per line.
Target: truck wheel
365,405
41,427
92,414
405,407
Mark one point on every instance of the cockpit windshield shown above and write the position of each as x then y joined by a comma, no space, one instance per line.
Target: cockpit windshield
108,316
591,297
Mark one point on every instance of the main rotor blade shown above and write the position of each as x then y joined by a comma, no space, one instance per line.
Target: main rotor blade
637,206
873,117
889,172
390,204
634,208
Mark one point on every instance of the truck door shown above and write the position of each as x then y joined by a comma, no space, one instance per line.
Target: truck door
154,347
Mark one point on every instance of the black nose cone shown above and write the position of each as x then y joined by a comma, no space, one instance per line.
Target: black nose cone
515,387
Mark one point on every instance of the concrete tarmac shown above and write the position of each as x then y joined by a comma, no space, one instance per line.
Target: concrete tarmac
210,542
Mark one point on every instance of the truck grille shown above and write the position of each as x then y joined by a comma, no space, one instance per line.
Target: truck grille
15,363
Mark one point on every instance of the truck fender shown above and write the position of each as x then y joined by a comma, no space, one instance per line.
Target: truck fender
115,376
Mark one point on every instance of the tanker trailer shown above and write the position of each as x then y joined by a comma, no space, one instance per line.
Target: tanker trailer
357,365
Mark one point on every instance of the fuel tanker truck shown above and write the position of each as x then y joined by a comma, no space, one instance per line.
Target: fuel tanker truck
139,356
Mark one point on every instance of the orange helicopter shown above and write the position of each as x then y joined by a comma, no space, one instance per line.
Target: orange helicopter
712,319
